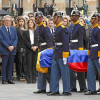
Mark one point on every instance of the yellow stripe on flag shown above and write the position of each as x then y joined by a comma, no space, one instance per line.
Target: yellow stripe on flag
38,68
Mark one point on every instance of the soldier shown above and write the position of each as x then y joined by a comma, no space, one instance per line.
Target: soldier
94,55
44,41
99,77
60,56
77,34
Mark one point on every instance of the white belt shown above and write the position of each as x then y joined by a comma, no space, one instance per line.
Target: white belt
73,40
58,43
94,45
42,44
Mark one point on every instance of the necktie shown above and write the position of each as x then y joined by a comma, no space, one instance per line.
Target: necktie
9,32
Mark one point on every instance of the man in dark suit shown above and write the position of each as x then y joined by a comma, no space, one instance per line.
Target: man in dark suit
8,42
52,29
35,7
14,6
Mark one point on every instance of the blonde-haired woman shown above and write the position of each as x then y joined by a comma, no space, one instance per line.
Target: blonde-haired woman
82,20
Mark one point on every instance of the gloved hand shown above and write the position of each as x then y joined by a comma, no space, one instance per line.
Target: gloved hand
64,61
99,60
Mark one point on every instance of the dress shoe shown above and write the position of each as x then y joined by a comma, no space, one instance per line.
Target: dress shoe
10,82
98,90
82,90
48,92
53,94
66,94
40,92
73,90
4,82
91,93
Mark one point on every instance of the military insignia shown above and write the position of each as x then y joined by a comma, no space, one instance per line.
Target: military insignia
44,25
62,26
81,24
99,27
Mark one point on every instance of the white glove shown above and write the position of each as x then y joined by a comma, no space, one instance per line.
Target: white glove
99,60
64,61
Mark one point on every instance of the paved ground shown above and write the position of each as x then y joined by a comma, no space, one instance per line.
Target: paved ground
24,91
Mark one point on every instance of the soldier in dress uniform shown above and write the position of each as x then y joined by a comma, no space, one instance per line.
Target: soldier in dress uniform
60,57
99,77
77,36
44,41
94,55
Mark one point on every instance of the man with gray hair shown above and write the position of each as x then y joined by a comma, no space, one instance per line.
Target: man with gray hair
8,43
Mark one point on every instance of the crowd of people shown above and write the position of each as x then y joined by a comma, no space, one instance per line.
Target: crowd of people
23,38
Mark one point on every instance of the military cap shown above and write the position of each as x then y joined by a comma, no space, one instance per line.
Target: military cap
58,14
76,13
94,15
38,14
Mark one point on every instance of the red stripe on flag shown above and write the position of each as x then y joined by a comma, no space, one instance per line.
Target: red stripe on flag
78,67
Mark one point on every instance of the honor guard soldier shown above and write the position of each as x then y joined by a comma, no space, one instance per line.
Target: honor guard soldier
59,59
99,77
94,55
77,35
44,41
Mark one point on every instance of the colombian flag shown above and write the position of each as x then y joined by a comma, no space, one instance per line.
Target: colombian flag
77,60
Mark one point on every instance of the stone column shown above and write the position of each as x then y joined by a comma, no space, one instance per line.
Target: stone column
27,6
0,4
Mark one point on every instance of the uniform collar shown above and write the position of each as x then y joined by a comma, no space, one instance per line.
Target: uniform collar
95,25
76,22
58,24
40,24
99,25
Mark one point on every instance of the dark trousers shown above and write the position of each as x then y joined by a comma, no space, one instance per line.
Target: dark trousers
31,66
80,77
21,65
43,78
7,66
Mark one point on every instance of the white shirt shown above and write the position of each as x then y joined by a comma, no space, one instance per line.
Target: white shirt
52,30
31,33
7,29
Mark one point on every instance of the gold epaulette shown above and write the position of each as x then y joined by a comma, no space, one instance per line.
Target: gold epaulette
80,48
81,24
98,53
99,27
62,26
44,25
65,54
88,52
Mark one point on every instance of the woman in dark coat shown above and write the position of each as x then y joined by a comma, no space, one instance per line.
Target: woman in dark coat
31,52
21,68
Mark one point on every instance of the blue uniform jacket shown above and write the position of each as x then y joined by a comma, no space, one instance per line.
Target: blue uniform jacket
77,32
5,41
94,38
61,35
44,35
